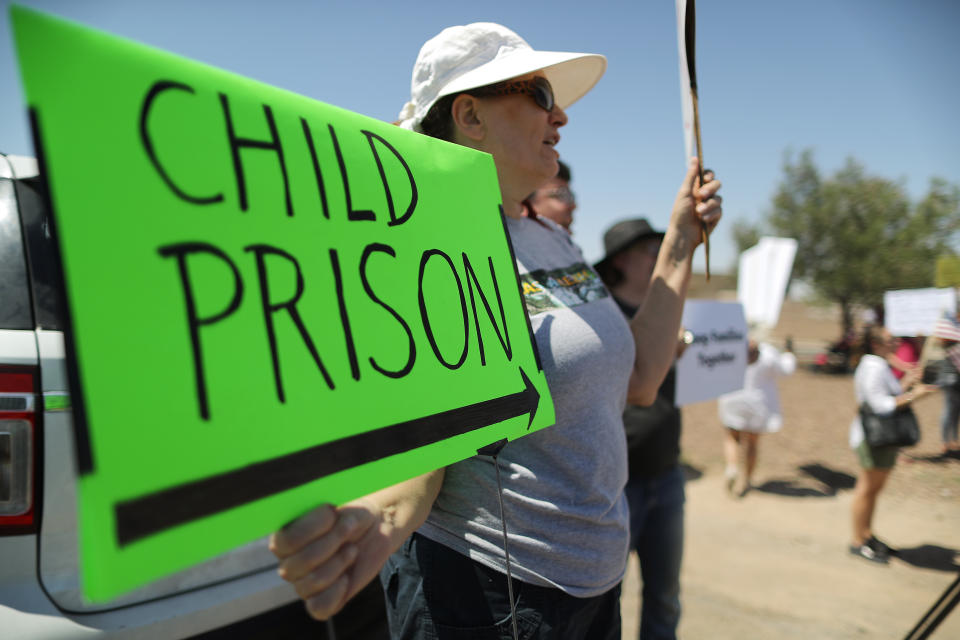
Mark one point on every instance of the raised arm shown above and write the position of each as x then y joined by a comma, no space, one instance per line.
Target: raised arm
781,363
657,322
331,553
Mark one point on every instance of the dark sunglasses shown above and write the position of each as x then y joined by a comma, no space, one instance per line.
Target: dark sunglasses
537,88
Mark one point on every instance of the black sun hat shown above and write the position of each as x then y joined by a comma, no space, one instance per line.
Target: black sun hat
622,235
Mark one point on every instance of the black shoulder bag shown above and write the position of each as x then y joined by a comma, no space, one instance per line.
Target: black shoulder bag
897,429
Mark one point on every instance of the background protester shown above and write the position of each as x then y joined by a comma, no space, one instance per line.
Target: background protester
904,359
753,410
876,386
555,200
655,488
484,87
948,332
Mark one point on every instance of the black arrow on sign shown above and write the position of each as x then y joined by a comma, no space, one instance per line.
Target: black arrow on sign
147,515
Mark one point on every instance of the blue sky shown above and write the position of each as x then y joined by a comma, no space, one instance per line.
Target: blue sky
871,79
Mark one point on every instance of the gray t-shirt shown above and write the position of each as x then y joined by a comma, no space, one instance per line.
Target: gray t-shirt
566,515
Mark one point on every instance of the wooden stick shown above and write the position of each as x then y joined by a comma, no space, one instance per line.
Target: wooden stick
690,39
696,131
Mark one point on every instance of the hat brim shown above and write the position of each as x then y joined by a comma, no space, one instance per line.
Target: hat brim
604,262
571,75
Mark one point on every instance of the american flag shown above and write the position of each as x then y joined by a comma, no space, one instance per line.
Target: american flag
946,328
954,354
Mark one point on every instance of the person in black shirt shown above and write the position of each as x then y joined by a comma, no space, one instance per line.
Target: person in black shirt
655,489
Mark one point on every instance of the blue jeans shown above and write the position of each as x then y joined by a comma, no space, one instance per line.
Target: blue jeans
656,534
951,414
435,593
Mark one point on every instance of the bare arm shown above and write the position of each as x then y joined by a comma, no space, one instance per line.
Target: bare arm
657,322
331,553
916,393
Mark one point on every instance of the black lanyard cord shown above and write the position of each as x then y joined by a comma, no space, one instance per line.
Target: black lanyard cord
493,450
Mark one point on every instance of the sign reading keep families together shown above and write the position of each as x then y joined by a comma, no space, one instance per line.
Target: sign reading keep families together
716,358
273,302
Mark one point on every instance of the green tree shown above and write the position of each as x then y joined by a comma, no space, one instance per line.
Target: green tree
859,235
745,235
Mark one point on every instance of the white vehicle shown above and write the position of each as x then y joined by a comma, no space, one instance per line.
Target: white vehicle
39,584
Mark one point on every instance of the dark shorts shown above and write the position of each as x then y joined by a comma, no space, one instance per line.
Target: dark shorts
434,592
877,457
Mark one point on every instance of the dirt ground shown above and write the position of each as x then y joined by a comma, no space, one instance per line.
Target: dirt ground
774,563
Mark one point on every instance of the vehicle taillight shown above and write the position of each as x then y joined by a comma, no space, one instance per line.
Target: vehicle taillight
18,441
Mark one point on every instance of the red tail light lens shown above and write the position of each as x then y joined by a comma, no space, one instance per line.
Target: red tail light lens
17,450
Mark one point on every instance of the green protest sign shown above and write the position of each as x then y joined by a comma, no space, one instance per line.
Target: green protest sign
273,302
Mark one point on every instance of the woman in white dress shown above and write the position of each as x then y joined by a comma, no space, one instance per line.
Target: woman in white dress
753,410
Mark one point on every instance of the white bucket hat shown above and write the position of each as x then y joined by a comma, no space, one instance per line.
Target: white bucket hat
475,55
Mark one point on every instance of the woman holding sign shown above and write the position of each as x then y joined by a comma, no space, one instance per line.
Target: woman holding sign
439,540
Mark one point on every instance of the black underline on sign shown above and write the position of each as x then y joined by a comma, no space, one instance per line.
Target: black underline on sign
154,513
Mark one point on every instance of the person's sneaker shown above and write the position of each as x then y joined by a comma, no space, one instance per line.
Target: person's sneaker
881,546
869,552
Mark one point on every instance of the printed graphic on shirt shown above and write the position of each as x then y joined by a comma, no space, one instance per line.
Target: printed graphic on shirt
544,289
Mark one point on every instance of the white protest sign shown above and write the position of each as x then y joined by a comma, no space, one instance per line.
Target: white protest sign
762,278
913,312
715,362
